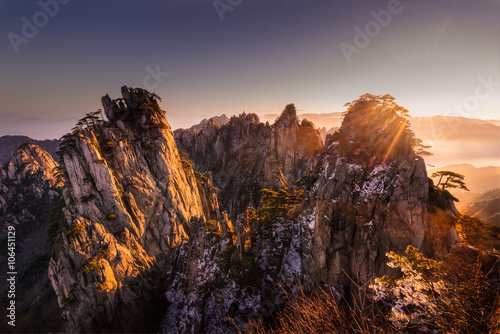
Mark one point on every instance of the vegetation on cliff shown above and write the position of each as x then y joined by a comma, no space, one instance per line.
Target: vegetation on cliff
141,219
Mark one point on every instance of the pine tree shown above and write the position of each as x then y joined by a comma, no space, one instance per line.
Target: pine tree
448,179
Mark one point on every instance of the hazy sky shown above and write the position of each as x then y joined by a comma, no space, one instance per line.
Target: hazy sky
435,57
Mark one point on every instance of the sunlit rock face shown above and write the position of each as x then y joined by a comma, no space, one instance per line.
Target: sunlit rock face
27,160
146,247
129,203
27,178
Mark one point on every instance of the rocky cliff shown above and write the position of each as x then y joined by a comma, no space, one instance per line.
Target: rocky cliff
246,155
373,197
28,190
142,235
130,204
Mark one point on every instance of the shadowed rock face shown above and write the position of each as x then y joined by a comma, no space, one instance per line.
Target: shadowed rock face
145,237
373,200
362,213
246,156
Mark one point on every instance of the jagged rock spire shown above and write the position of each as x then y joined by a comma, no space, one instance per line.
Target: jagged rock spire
293,146
288,117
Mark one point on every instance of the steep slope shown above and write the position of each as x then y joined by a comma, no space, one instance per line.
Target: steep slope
246,155
130,202
28,189
235,153
484,206
142,235
373,197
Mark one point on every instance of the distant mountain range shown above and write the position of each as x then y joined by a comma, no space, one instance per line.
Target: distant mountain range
454,140
457,140
483,198
478,180
36,127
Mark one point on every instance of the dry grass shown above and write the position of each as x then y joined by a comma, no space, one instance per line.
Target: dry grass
470,304
310,308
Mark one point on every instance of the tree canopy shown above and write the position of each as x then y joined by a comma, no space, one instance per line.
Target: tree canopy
376,127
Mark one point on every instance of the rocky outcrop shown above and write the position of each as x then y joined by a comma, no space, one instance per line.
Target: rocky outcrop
246,155
372,198
219,120
130,201
143,236
28,190
234,153
27,179
294,144
362,213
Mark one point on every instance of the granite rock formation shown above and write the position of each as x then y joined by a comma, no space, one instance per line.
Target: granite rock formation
28,190
143,235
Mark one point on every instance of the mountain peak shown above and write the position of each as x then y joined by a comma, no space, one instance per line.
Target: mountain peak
32,150
29,159
143,221
288,117
136,105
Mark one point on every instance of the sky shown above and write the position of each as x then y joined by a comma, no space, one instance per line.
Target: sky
206,58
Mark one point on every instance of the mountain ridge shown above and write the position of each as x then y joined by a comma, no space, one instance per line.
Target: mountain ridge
174,232
9,144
